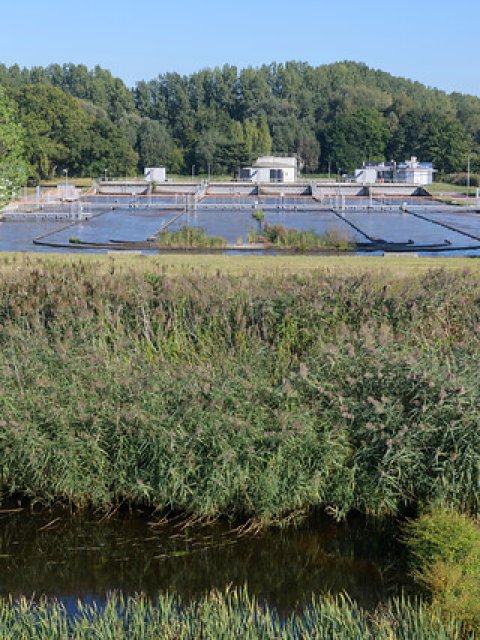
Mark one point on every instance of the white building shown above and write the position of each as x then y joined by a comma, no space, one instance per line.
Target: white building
409,172
155,174
271,169
414,172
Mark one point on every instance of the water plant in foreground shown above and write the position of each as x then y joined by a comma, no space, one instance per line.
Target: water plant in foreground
233,614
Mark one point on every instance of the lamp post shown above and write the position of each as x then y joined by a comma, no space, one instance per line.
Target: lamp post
105,171
468,175
65,171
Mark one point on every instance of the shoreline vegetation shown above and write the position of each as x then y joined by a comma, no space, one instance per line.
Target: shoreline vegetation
234,614
250,396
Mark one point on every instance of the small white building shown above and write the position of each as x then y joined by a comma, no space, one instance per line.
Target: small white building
155,174
365,175
414,172
408,172
271,169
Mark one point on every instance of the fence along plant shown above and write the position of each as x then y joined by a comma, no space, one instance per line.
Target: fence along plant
249,396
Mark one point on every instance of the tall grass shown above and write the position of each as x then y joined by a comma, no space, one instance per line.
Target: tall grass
189,238
231,615
288,238
246,396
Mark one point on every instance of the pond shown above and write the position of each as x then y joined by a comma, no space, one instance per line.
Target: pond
70,557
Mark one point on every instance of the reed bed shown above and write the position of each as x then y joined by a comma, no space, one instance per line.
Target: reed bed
189,238
282,237
231,615
239,395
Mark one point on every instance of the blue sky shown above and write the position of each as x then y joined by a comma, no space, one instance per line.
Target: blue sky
435,42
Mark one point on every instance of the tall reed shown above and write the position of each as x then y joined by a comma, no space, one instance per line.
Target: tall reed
247,396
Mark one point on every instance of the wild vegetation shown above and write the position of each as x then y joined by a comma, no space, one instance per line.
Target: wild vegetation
258,396
231,615
282,237
334,117
189,238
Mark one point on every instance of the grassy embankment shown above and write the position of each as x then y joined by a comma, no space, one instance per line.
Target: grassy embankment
256,395
455,188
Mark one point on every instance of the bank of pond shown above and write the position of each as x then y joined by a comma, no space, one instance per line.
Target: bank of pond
140,575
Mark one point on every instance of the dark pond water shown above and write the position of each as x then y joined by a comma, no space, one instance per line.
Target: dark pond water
70,557
137,217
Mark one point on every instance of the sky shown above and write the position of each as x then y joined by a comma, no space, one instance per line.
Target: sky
436,42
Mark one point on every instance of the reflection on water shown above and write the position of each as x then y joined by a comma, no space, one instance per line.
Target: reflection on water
68,557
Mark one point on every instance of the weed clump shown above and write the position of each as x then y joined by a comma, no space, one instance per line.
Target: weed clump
288,238
189,238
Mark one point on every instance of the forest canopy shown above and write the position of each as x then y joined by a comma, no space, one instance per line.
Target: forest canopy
333,117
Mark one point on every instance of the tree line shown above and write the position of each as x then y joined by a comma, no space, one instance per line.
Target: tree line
333,117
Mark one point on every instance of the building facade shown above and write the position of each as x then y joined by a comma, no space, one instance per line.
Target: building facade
408,172
271,169
155,174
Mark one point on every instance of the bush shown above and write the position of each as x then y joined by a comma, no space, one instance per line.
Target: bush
445,550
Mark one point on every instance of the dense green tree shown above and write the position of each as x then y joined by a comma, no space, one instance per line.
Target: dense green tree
56,125
206,157
355,137
432,137
308,153
107,147
12,164
156,147
344,113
